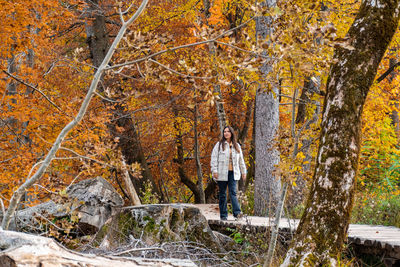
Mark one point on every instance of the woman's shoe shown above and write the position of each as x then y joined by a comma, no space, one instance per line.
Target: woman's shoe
238,216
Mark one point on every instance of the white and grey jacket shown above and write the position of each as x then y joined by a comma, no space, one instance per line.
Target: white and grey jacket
220,162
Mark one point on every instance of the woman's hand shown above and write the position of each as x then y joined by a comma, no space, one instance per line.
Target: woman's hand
244,177
215,176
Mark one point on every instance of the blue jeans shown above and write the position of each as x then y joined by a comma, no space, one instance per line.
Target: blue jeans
231,183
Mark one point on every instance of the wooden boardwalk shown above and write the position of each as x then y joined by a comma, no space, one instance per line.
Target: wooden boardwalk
378,240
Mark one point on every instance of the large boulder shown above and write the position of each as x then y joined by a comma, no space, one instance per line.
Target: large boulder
95,201
155,224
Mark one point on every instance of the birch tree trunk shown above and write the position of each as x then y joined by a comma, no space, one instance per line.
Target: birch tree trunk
267,186
322,230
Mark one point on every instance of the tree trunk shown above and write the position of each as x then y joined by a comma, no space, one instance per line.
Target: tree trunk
252,154
185,179
211,188
395,114
219,105
197,157
129,141
241,139
309,88
322,230
96,32
267,185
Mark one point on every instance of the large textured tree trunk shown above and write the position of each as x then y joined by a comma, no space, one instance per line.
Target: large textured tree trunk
322,229
267,185
129,141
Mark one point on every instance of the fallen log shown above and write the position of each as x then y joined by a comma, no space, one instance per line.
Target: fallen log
20,249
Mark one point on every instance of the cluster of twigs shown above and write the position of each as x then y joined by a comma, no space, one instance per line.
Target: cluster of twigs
196,252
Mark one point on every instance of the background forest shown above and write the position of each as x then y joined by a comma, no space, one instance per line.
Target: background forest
182,70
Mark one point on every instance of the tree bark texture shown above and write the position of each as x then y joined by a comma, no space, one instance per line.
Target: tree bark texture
129,141
96,33
323,227
267,185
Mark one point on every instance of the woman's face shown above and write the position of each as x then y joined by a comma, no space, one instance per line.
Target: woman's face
227,134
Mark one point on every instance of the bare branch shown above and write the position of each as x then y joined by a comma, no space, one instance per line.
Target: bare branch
243,50
121,15
6,160
12,130
383,76
37,90
108,99
41,186
136,250
180,47
177,72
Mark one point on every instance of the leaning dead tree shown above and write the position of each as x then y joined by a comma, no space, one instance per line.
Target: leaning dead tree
85,104
322,230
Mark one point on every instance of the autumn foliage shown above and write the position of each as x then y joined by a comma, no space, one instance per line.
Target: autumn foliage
162,78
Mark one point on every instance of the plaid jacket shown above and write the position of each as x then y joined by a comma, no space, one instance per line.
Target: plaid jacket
220,162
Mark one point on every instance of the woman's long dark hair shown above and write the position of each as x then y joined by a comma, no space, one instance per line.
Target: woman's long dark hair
233,139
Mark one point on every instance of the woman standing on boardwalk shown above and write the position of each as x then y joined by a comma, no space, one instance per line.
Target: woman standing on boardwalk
227,166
